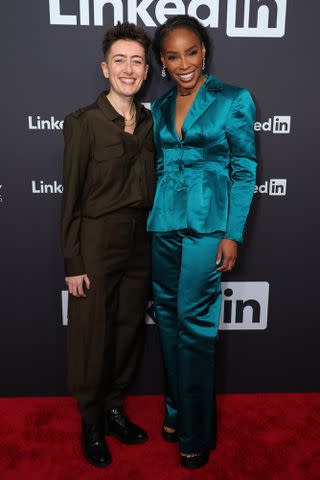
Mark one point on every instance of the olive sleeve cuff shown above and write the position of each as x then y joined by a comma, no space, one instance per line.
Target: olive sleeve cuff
74,266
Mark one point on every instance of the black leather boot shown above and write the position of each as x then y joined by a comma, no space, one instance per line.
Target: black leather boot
118,424
94,445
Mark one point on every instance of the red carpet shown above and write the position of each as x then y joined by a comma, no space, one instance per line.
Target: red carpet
261,437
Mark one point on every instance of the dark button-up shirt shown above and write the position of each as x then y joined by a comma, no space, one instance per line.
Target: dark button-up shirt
105,170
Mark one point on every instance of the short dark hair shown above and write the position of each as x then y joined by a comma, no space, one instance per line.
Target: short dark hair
180,21
125,31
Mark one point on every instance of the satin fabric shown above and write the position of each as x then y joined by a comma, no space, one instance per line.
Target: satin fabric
187,295
205,183
206,180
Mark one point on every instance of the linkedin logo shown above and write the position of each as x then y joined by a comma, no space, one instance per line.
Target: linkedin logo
279,124
275,187
256,18
245,18
244,306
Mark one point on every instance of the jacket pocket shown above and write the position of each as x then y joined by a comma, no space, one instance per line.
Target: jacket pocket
104,153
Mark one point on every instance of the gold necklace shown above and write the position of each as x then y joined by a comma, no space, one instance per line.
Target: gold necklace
127,121
127,124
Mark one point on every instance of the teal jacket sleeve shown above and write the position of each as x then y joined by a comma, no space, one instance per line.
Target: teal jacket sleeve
240,136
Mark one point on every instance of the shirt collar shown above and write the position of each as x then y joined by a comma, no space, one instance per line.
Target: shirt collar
110,112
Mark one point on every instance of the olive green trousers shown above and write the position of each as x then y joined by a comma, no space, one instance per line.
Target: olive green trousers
105,332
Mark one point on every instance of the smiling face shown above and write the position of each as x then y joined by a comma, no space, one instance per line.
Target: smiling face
182,53
126,67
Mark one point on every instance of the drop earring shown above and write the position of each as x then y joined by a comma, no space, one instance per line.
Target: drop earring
163,71
203,63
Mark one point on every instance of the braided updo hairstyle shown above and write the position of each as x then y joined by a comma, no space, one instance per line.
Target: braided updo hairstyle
180,21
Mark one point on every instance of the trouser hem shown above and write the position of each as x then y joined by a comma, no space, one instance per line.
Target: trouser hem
170,423
92,415
187,448
109,406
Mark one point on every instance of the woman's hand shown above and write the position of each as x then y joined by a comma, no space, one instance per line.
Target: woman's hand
75,285
228,251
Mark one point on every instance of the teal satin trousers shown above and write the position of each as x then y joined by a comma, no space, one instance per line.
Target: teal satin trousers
187,296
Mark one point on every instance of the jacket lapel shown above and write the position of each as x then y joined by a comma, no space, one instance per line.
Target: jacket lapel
168,111
204,99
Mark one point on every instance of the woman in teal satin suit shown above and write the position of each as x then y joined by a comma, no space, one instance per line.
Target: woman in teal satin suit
206,165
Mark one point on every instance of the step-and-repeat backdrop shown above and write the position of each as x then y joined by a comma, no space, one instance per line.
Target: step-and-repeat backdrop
270,326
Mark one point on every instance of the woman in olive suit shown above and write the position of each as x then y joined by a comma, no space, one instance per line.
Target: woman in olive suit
108,191
206,165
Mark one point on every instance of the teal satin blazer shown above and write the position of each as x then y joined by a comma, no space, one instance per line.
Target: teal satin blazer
205,181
